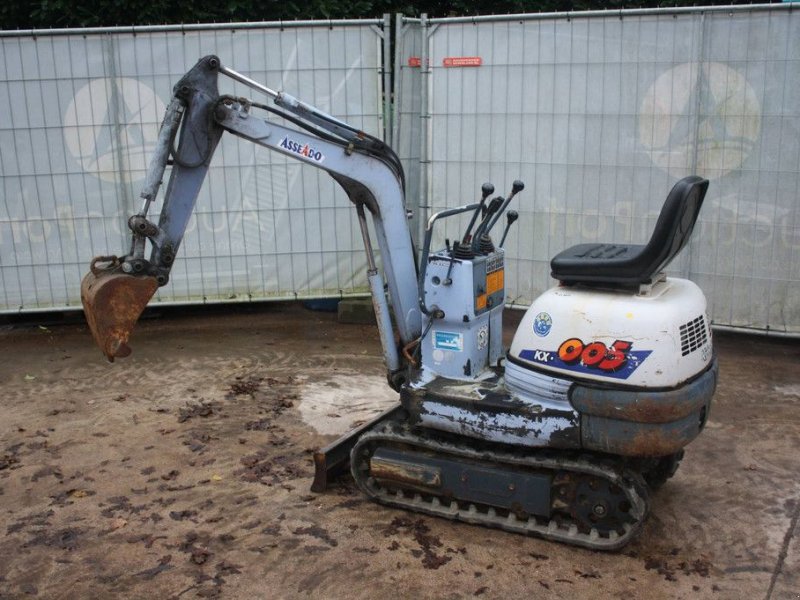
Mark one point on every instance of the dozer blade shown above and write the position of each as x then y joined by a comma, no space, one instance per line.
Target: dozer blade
112,302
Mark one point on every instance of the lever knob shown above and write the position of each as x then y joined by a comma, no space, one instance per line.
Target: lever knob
495,204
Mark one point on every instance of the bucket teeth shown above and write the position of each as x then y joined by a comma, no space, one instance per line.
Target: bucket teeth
112,302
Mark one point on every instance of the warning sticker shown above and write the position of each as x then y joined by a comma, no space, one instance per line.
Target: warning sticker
494,282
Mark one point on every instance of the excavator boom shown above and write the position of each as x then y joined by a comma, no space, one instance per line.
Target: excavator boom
117,289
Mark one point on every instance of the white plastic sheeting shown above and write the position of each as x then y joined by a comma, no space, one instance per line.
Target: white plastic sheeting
600,114
82,115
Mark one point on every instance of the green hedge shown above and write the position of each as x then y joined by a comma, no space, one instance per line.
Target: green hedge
74,13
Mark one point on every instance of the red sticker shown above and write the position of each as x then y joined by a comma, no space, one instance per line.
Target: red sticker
462,61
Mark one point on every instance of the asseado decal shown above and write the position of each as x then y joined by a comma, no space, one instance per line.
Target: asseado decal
302,149
617,360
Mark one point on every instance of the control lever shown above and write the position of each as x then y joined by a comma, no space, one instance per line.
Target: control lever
495,205
516,188
447,279
511,216
486,190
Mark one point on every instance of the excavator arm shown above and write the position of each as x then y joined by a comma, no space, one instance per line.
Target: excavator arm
117,289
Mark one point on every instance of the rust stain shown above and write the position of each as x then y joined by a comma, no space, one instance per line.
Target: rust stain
655,442
643,410
113,301
643,407
403,472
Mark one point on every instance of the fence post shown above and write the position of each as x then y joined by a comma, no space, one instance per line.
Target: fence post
398,41
388,117
424,161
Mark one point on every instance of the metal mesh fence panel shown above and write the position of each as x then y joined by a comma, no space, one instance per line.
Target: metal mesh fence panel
84,110
601,113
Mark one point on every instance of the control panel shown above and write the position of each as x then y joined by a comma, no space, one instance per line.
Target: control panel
462,292
467,340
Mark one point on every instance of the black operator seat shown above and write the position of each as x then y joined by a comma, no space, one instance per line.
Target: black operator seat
634,264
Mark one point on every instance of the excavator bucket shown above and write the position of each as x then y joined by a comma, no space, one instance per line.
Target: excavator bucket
112,302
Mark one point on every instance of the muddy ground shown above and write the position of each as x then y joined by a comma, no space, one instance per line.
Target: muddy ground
184,472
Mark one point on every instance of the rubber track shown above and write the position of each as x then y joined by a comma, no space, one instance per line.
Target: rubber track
631,483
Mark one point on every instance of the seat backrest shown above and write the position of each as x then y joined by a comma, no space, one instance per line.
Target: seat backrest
675,223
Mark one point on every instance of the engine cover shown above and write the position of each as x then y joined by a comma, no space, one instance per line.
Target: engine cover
656,339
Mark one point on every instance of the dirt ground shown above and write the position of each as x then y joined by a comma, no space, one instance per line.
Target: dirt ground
184,472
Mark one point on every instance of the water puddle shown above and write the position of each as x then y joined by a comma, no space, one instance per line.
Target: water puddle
336,404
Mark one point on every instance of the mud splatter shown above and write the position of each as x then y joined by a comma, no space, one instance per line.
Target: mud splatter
269,470
47,471
62,539
422,535
182,515
588,574
8,460
246,386
201,409
148,538
700,566
163,565
317,532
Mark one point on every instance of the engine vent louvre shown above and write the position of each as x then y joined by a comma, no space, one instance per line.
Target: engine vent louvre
693,335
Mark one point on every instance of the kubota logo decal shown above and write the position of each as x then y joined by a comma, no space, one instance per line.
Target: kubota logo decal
616,360
542,324
302,149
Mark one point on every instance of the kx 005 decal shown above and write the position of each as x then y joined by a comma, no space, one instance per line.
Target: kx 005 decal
617,360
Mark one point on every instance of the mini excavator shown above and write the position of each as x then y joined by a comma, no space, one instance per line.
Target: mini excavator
564,435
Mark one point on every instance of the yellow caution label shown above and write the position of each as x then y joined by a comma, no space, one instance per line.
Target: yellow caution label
495,281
